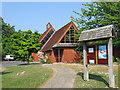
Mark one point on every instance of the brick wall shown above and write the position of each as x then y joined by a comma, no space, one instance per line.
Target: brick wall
70,56
35,57
51,56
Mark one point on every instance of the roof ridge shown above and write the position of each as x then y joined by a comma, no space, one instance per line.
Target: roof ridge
98,28
64,26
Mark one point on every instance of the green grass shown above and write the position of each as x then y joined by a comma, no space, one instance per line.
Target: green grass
34,76
98,76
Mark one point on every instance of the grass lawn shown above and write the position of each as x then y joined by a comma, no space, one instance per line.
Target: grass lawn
98,76
31,76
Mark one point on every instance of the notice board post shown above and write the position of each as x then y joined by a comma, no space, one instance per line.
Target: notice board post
110,63
86,75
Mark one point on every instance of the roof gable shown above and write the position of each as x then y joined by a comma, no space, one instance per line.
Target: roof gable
57,36
48,28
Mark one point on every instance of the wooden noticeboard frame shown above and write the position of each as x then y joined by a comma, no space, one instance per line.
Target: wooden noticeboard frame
95,54
102,33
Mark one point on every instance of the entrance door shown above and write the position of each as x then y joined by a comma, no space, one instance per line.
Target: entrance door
91,55
58,54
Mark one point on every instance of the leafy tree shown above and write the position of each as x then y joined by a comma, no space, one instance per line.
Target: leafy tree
98,14
24,43
6,31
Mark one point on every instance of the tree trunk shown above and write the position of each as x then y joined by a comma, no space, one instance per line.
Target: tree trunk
28,61
28,58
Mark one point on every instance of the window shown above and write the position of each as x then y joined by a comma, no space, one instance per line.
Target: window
48,35
41,45
70,36
62,41
43,42
46,38
51,32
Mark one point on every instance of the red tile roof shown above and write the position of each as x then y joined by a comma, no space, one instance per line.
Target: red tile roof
56,36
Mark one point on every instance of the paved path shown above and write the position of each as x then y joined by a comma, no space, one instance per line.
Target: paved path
64,77
10,63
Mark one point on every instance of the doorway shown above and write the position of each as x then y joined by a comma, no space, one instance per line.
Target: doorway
58,54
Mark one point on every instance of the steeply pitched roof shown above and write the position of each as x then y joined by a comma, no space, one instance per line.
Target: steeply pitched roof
98,33
41,37
45,33
56,36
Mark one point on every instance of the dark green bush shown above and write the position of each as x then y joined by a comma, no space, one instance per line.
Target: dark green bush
31,59
118,60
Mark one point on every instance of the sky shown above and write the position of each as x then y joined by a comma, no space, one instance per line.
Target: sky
35,15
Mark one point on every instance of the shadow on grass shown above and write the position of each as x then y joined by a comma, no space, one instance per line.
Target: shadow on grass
2,73
30,64
95,77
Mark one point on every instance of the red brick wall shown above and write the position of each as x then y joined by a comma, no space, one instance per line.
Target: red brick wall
69,56
35,57
51,56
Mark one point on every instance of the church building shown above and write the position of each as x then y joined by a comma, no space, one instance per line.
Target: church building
59,45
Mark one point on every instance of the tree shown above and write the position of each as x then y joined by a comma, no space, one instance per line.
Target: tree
98,14
7,31
24,43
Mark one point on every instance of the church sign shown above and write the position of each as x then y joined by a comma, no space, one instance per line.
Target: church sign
98,54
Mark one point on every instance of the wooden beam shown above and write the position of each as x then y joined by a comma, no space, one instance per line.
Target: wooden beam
59,55
86,76
110,63
96,54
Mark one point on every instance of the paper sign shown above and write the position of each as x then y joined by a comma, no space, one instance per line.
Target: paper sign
90,50
91,61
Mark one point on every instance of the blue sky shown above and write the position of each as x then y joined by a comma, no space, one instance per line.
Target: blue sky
35,15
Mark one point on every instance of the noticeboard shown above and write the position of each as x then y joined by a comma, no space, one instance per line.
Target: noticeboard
102,52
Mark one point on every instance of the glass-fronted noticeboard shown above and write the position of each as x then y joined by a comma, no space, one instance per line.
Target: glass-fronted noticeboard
102,54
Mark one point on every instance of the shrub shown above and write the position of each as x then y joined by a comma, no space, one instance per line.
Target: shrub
31,58
118,60
44,59
114,59
81,56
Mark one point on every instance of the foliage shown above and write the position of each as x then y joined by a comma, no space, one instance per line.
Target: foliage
19,43
31,58
7,31
48,60
98,14
24,43
114,59
81,56
43,58
118,60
